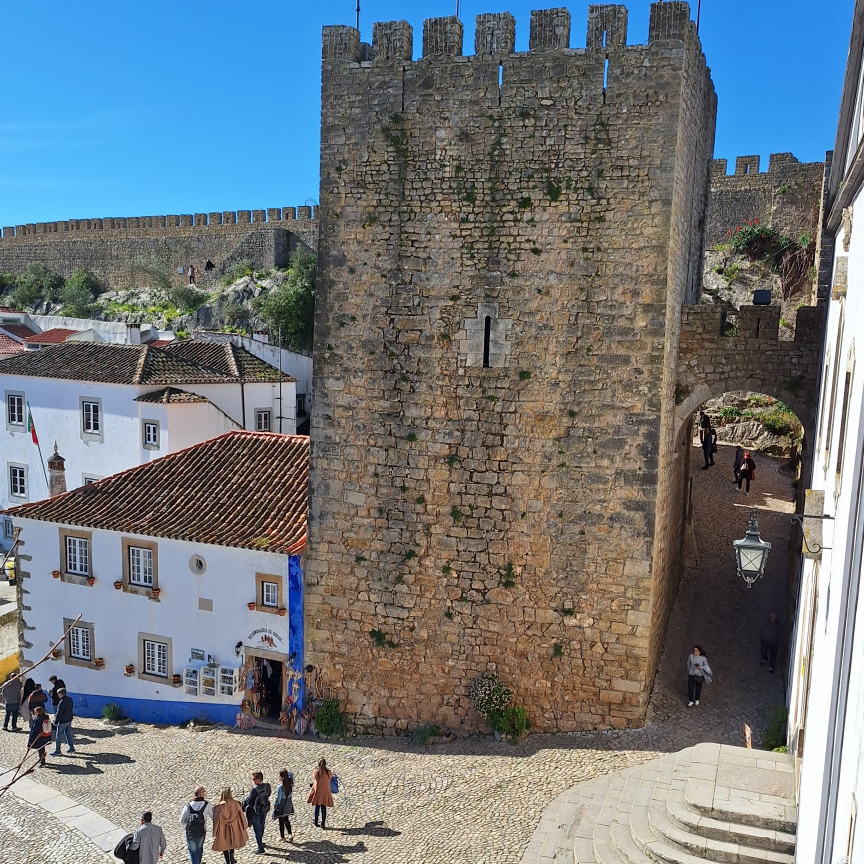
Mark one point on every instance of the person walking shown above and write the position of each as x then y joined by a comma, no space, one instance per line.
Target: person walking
283,809
707,449
63,722
739,459
37,699
747,471
256,805
29,687
698,672
57,684
12,699
40,733
149,840
229,826
194,820
320,794
772,633
704,426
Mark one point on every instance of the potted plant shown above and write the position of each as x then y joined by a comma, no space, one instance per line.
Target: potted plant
176,680
99,662
155,592
251,605
55,651
282,611
91,581
130,668
118,584
55,574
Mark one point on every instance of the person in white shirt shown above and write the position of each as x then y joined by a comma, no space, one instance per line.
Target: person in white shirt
194,818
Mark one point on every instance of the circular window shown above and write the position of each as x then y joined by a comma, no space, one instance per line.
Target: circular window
197,565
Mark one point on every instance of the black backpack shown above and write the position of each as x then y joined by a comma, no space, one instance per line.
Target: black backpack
261,805
196,825
124,853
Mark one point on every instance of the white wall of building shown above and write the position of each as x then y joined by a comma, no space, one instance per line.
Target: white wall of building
827,678
207,612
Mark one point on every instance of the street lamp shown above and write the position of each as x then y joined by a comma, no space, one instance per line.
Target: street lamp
751,553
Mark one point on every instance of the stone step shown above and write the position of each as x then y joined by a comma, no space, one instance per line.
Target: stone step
714,829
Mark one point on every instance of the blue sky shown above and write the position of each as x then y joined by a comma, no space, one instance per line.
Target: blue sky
117,108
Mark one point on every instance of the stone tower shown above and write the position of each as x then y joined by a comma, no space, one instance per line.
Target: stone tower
56,474
506,243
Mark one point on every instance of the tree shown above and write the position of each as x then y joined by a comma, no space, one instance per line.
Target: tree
291,305
37,285
78,293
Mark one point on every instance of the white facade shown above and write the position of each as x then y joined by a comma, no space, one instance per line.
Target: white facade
198,627
826,694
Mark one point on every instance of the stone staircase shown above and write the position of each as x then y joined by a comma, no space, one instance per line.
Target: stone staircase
710,802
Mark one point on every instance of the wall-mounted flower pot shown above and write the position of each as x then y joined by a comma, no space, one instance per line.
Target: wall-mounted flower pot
251,606
282,611
176,680
55,574
118,584
155,592
129,668
99,662
55,653
91,581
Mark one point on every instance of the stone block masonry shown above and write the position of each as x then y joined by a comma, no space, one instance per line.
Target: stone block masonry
506,243
113,248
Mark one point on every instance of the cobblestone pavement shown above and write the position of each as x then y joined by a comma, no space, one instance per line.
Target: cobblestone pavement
473,800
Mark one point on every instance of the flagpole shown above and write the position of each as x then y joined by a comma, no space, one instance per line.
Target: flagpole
39,448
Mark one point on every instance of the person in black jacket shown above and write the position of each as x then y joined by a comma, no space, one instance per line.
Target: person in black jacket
56,685
63,722
39,738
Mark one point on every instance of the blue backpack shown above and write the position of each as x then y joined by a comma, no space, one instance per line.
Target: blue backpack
334,784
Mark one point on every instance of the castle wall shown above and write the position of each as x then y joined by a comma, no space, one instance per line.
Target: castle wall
786,196
505,241
112,249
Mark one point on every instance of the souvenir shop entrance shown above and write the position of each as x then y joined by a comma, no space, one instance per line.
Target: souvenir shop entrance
264,680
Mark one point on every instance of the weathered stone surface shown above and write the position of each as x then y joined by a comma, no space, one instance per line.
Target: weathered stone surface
506,241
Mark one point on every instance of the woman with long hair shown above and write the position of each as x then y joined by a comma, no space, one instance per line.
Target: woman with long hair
320,794
229,826
40,733
698,672
283,809
29,687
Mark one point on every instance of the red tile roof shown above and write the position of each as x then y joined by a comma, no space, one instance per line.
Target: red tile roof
243,489
22,331
54,336
7,309
9,346
132,364
160,343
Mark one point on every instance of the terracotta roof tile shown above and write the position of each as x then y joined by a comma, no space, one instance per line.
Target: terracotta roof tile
227,358
115,364
160,343
243,489
54,336
171,396
22,331
9,346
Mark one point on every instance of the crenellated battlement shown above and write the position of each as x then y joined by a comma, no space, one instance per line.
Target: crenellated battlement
290,218
495,34
748,166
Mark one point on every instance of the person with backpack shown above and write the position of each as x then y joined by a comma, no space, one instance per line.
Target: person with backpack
256,806
747,471
194,820
40,733
320,794
283,809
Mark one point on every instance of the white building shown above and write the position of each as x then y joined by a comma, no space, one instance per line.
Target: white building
187,577
826,695
110,407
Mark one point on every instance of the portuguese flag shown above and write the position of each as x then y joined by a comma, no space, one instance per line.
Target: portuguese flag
31,427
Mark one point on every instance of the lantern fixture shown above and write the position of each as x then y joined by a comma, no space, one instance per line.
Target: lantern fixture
751,553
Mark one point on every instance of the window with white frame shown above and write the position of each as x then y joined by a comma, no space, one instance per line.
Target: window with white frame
269,594
8,530
89,480
262,419
140,566
15,409
91,417
80,645
155,658
78,556
18,481
150,434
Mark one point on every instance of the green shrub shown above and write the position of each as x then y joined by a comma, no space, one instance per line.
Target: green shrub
488,694
112,711
157,273
775,735
730,412
422,735
780,421
329,719
512,721
237,270
37,285
290,307
186,297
